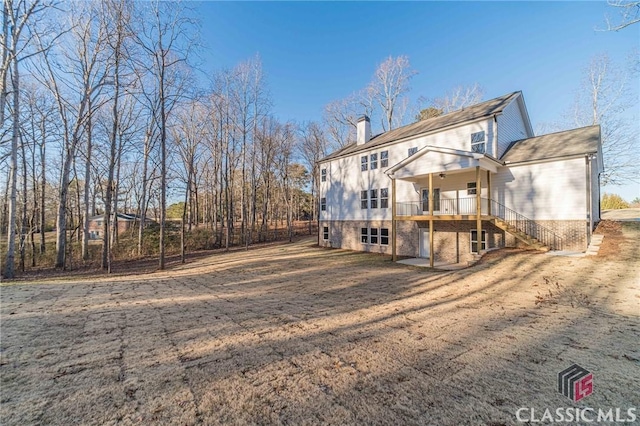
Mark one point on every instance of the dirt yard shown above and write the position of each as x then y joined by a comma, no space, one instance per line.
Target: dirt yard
293,334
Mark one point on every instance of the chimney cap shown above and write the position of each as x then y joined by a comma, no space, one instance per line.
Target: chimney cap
364,118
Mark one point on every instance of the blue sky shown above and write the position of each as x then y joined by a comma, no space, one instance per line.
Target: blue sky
316,52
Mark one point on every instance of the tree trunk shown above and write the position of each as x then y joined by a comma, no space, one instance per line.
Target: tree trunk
9,269
87,189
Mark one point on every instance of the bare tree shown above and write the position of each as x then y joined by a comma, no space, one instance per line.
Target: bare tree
84,77
17,37
341,118
313,147
162,35
188,134
117,14
390,81
606,95
459,97
628,14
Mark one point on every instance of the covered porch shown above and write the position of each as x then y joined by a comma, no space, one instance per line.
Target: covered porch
449,185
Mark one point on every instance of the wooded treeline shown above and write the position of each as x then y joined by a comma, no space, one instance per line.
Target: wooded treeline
102,114
102,111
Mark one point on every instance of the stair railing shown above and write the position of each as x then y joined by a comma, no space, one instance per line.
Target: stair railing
525,225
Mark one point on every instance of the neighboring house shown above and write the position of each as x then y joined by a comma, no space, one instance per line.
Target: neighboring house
449,187
125,222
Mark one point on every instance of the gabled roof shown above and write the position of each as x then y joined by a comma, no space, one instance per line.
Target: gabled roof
424,150
475,112
585,140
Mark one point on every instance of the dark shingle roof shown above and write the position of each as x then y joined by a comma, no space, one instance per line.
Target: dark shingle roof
580,141
483,109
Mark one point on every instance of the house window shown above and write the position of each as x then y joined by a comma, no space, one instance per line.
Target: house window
471,188
323,175
477,142
474,240
374,236
413,150
384,159
364,235
323,204
374,198
373,161
436,200
364,202
325,233
384,198
364,165
384,236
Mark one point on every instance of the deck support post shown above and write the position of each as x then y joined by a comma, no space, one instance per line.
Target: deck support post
479,208
431,254
394,254
489,192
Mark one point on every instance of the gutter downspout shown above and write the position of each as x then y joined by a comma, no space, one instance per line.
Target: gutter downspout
495,136
589,198
394,255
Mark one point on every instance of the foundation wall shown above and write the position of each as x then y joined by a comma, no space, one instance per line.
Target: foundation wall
451,239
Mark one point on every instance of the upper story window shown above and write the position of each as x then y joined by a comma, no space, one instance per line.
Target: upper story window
384,159
323,175
384,198
373,161
323,204
478,142
364,200
374,198
364,163
413,150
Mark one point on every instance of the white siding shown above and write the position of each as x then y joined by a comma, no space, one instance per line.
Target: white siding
511,127
345,180
554,190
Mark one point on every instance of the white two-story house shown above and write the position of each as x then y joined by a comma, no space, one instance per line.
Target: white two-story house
451,187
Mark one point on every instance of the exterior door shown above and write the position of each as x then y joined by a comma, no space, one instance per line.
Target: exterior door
425,200
424,243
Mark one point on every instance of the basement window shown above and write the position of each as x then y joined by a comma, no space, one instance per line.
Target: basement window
364,235
384,236
474,240
374,236
325,233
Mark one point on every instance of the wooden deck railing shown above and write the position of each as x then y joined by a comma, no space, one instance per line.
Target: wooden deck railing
467,206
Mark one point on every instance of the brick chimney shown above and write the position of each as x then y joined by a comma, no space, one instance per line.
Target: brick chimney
364,130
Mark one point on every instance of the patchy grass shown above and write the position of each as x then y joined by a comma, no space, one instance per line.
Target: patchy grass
294,334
